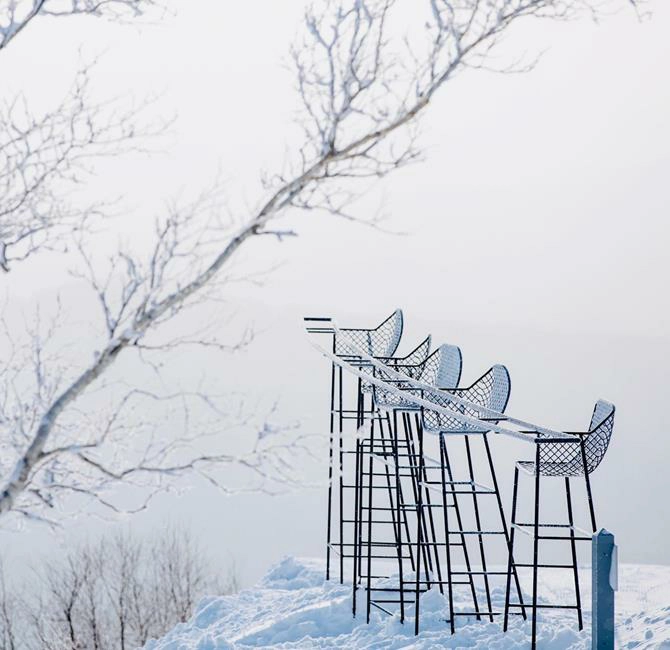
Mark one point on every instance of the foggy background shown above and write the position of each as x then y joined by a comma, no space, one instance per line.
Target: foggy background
534,234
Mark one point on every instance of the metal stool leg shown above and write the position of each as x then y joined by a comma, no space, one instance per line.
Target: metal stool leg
418,468
357,524
445,513
419,536
369,522
401,581
396,505
478,523
536,539
410,458
510,555
588,487
506,531
574,553
341,482
459,520
392,426
431,522
331,446
395,501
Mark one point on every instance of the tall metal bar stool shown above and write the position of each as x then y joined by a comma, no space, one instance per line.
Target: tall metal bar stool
380,442
490,391
394,460
382,341
566,459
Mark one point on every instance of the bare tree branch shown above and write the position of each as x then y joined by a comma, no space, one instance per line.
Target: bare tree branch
113,594
16,15
363,93
43,158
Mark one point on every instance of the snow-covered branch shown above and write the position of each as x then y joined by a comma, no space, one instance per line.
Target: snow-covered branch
16,15
75,448
44,157
362,91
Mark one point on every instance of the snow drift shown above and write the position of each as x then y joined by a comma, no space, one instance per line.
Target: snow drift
294,607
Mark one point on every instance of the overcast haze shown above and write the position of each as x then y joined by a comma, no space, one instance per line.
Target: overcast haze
535,235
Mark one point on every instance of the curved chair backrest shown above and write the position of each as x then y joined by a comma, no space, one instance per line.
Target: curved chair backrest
442,368
416,356
411,365
491,390
565,459
382,341
600,434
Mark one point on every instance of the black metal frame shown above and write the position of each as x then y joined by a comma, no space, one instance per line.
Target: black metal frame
391,452
427,546
381,341
407,459
486,391
394,479
559,458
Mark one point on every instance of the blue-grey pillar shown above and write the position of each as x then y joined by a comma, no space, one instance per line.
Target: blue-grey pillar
604,568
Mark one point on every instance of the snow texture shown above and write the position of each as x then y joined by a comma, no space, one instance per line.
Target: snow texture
294,607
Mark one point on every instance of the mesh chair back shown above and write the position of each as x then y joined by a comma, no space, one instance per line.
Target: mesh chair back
382,341
600,433
443,366
411,365
442,369
416,357
491,390
565,459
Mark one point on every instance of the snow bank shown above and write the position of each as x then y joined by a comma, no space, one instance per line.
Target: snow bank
294,607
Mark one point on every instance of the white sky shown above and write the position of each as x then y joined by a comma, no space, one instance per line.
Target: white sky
538,233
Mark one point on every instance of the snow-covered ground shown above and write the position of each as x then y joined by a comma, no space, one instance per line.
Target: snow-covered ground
293,607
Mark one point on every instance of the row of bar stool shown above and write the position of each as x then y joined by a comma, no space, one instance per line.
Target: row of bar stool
407,508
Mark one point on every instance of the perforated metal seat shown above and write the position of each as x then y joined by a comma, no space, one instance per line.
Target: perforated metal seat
567,459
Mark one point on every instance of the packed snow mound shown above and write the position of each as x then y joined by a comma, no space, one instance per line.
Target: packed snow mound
295,607
292,573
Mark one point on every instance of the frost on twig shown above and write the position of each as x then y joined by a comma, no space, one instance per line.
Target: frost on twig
16,15
362,92
44,158
119,434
